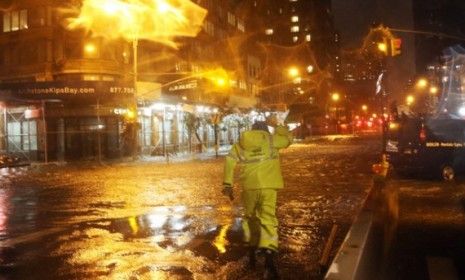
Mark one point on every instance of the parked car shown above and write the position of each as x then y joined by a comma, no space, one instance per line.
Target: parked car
427,146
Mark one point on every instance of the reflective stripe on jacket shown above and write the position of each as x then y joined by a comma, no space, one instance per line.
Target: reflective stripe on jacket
257,153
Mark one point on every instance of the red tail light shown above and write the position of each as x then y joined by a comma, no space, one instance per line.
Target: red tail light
422,134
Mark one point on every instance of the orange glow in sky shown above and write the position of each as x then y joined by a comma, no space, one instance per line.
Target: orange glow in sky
155,20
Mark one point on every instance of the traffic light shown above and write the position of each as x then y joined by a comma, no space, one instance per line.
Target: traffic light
383,47
396,46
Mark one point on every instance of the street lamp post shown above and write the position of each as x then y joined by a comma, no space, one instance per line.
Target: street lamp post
336,97
135,43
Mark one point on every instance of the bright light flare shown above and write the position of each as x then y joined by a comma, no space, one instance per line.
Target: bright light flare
422,83
221,82
393,126
293,72
410,99
462,111
219,77
382,47
335,97
130,114
155,20
90,48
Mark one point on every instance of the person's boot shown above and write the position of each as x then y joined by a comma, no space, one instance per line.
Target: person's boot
271,271
252,258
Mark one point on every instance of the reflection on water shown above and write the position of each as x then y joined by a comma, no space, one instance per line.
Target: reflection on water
177,227
220,241
169,242
4,206
19,209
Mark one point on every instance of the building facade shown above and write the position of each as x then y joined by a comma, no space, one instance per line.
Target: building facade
63,93
299,52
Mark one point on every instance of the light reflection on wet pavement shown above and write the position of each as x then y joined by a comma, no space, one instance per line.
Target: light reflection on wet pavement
169,221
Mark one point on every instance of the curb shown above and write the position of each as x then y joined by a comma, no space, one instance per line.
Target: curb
359,256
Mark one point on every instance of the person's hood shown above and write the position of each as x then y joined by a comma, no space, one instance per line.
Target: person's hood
254,139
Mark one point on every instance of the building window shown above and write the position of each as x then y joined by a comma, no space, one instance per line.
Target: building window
7,22
294,19
209,28
23,19
308,37
295,29
242,85
22,135
295,39
240,25
15,20
269,31
231,19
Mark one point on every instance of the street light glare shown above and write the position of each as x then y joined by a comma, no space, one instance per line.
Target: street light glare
293,72
221,82
110,7
433,90
90,48
364,107
462,111
164,7
156,20
422,83
410,99
335,97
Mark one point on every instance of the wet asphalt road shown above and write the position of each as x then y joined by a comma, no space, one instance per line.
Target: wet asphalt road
429,233
169,221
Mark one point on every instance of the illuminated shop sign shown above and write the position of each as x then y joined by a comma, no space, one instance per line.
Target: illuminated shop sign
63,90
192,84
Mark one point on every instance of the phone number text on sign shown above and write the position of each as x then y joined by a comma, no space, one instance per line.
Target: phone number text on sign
122,90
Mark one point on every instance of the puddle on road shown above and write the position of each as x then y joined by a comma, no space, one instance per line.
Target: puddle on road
179,228
167,243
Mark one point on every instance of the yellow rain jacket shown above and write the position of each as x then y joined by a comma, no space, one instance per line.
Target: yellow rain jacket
257,152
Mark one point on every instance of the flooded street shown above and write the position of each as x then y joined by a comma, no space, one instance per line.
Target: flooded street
430,235
150,220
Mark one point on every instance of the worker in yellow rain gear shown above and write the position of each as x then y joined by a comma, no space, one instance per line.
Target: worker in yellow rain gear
260,174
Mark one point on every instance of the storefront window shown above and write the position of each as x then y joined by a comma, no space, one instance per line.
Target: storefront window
22,135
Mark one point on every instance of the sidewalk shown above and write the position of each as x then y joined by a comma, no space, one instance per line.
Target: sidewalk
185,156
143,159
